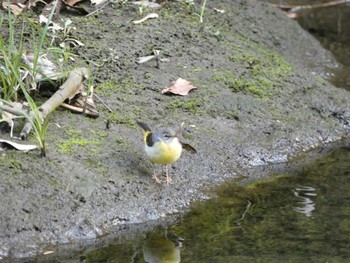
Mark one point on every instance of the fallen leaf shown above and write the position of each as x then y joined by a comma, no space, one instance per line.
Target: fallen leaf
45,68
73,2
48,252
97,2
149,16
219,10
16,8
9,117
179,87
17,146
48,8
54,26
146,3
148,58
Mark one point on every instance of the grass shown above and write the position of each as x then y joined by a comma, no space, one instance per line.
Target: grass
12,80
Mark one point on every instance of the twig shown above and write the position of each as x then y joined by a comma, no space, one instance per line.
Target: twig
104,104
67,90
11,110
322,5
244,213
80,110
98,9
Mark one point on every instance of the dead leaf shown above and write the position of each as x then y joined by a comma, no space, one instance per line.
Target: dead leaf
179,87
16,8
97,2
146,3
73,2
54,26
46,69
219,10
49,7
148,58
48,252
149,16
9,117
17,146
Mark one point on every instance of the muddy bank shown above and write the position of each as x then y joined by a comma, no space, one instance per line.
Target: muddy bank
260,100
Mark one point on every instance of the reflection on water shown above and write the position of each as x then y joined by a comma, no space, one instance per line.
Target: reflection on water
306,204
294,217
299,217
159,249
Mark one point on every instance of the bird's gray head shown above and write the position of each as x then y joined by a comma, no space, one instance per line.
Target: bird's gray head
165,134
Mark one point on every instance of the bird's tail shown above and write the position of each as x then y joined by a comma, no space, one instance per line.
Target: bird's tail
147,138
144,126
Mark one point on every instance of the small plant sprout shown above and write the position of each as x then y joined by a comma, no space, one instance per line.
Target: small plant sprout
202,11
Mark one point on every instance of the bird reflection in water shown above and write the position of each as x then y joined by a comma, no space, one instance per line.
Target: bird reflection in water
162,249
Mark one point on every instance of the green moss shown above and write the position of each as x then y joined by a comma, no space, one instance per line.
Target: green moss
231,115
76,141
122,118
98,165
192,105
124,86
257,70
15,164
259,79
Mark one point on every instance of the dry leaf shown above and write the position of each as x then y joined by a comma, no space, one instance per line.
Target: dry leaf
49,7
146,3
17,146
97,2
55,27
16,8
179,87
46,69
148,58
219,10
149,16
73,2
9,117
48,252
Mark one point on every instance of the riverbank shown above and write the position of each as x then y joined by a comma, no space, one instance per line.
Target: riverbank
260,99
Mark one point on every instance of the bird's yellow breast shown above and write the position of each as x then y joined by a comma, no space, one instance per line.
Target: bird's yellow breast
164,152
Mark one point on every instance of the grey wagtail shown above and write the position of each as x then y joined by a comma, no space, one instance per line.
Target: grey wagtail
163,147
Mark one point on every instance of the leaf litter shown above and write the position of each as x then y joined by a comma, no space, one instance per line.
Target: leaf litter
179,87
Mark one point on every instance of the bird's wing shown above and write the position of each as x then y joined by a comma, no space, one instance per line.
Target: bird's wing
188,147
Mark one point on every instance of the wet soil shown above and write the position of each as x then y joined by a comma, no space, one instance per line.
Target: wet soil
261,99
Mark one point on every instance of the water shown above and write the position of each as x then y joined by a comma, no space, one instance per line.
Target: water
299,217
303,216
330,25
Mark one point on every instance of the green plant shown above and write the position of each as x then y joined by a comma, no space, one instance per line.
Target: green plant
10,63
38,124
141,8
202,11
11,75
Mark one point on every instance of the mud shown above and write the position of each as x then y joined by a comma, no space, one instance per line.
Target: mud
261,99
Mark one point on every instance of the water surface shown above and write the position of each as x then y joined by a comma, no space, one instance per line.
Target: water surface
300,217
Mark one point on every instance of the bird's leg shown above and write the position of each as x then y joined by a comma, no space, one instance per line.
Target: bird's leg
168,179
154,176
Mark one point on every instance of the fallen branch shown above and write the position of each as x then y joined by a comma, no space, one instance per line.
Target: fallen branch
68,89
75,109
11,110
322,5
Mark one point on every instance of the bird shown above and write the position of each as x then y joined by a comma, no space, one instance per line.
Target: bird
160,249
163,146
